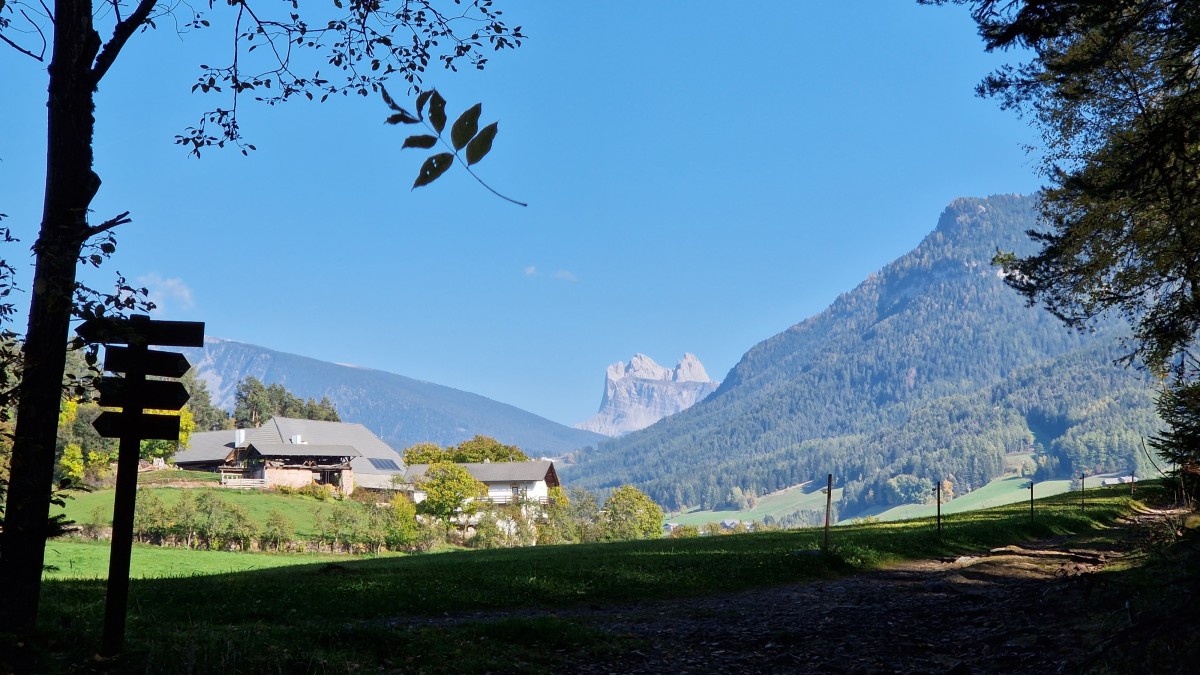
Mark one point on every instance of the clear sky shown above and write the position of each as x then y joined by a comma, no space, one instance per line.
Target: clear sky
700,176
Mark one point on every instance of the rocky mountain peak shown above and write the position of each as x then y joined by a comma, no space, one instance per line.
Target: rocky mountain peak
641,392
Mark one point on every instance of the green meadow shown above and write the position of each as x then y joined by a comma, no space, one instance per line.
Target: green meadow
253,612
301,510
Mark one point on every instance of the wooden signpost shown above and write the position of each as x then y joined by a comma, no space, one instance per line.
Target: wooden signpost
134,394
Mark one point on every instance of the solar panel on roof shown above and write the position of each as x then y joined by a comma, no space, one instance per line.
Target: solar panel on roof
384,464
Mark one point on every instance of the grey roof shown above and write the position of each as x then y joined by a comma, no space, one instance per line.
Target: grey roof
206,446
280,430
304,450
496,472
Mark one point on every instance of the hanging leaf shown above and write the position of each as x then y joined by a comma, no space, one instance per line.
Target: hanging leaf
432,168
402,117
481,144
422,98
388,100
465,126
437,112
420,141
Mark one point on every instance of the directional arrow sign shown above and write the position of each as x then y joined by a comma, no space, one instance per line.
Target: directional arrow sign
156,394
111,424
165,364
140,330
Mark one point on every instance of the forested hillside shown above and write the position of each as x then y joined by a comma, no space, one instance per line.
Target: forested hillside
400,410
931,369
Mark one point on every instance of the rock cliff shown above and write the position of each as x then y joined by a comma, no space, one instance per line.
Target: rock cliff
641,392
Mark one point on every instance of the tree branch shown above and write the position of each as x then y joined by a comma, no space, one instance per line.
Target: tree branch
121,33
109,224
41,56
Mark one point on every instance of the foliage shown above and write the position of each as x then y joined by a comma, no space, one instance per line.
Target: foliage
557,526
508,526
278,531
207,416
255,403
629,514
465,135
450,491
1114,89
477,449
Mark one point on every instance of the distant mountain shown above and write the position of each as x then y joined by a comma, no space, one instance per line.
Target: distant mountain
400,410
642,392
931,369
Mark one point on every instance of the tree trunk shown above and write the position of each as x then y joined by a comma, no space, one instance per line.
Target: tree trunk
70,186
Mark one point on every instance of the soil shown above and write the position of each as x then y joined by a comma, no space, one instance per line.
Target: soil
1038,608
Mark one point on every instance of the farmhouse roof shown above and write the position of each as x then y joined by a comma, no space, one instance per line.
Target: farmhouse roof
303,450
206,446
499,472
373,468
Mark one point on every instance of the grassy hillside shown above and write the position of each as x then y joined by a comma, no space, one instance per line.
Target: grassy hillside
89,560
300,510
351,617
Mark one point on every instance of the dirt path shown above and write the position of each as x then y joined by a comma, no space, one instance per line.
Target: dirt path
1012,610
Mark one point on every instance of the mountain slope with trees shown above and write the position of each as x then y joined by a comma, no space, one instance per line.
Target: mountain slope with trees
400,410
930,370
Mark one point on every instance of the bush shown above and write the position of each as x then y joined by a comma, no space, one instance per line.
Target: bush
685,532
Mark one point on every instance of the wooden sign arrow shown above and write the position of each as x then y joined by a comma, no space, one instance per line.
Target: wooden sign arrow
156,394
111,424
141,330
155,362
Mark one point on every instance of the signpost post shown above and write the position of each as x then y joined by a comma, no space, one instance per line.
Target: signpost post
134,394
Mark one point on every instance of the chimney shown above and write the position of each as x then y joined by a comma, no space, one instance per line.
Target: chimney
295,439
239,438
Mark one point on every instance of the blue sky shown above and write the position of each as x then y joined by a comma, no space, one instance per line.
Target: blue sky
698,180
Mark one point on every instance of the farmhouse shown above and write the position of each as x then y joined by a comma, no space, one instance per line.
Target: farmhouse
506,482
295,452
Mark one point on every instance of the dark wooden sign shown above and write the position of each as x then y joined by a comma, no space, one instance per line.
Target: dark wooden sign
134,394
155,394
141,330
112,424
159,363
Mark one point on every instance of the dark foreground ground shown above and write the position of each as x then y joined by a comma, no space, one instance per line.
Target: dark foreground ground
1114,602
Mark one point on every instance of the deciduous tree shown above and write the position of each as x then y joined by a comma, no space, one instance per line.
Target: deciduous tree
364,42
450,491
630,514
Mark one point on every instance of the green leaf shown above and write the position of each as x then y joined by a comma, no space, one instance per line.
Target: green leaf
432,168
388,100
422,99
420,141
402,117
437,112
465,126
481,144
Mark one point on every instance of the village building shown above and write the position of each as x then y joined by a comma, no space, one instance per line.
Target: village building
295,453
506,482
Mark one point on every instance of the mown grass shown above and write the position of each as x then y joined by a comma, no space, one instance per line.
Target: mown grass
71,559
356,615
299,509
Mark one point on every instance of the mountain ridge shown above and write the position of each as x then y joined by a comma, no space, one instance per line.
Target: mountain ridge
925,338
401,410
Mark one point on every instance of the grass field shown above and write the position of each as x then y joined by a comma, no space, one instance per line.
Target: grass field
89,560
799,498
1002,491
1005,490
300,510
343,617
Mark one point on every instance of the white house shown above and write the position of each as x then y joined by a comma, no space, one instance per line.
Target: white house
506,481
